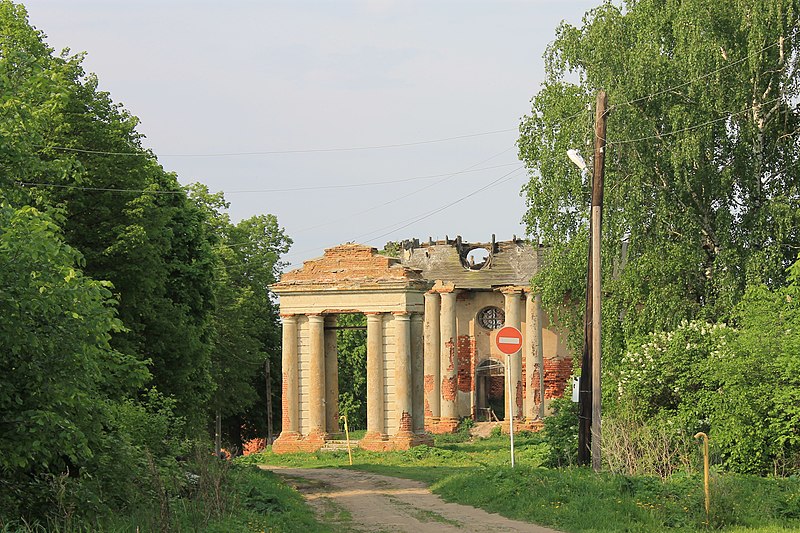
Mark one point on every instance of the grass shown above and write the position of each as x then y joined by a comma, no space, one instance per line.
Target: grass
478,473
254,501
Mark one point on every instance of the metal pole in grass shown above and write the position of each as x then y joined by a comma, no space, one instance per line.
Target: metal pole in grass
347,437
511,401
705,472
509,341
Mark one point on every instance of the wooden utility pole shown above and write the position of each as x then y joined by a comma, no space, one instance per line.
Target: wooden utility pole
268,389
597,222
585,382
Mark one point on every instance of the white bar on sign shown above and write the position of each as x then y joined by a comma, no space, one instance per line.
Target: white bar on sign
509,340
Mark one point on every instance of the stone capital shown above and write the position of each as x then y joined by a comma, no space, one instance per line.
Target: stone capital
513,289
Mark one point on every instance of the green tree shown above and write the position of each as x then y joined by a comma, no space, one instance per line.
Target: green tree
59,376
246,328
352,354
701,164
67,144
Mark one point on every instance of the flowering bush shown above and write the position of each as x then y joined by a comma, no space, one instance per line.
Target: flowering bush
671,371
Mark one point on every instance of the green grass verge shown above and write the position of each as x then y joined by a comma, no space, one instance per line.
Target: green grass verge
246,499
478,473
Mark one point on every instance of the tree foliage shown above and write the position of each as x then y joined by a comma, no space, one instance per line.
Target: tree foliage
702,157
740,385
246,327
67,144
701,217
103,381
352,355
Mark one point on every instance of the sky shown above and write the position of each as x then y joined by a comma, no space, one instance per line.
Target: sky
363,122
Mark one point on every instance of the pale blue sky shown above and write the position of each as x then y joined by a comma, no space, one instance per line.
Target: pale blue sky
245,76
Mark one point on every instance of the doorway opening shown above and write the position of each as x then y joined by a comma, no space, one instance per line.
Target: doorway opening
351,348
490,391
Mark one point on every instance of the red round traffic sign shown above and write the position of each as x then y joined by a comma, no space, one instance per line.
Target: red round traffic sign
508,340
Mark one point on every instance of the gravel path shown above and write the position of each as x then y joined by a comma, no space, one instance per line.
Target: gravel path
350,500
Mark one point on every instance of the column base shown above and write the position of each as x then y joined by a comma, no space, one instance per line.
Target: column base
290,442
443,425
406,440
531,424
374,442
377,442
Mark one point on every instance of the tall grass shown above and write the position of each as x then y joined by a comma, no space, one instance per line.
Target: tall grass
478,473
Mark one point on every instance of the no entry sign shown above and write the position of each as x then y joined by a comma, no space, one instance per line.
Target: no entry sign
508,340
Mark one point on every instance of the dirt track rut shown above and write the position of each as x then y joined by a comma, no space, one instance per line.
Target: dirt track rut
350,500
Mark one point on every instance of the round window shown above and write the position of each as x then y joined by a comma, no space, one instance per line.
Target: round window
491,317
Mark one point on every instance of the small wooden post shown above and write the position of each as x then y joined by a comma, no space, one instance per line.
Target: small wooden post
218,435
705,474
268,383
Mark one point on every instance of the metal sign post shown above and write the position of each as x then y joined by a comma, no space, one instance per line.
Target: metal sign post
509,341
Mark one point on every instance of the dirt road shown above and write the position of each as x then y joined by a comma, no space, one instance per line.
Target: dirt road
350,500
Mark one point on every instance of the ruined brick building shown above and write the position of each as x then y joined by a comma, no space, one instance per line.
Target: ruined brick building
432,315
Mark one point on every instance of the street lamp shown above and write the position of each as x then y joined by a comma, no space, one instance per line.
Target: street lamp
576,158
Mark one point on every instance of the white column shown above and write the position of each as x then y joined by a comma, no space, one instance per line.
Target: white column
431,356
417,378
289,397
449,357
375,414
402,372
534,361
316,374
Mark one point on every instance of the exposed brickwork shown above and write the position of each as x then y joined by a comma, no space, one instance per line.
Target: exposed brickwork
349,262
442,425
497,386
429,383
466,363
518,398
406,424
534,386
374,442
451,353
556,374
293,443
428,412
449,388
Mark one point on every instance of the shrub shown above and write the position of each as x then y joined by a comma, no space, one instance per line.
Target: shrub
561,433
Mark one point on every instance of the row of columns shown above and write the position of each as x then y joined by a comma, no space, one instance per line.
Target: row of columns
441,356
527,391
322,394
441,366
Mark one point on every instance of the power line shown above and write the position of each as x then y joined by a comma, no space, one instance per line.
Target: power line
253,191
275,152
417,218
699,78
501,179
99,189
417,191
696,126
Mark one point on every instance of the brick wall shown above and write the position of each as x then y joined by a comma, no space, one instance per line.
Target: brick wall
349,262
556,374
466,363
